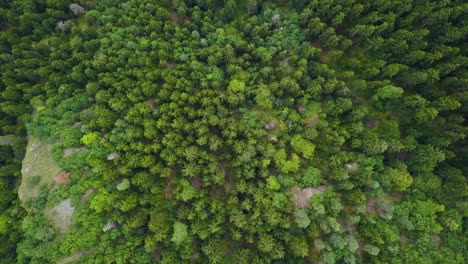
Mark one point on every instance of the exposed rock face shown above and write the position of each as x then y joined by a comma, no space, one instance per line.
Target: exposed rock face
301,197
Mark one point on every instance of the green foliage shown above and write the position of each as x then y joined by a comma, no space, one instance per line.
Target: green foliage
426,157
236,86
179,234
33,181
279,200
400,178
389,92
91,138
123,185
299,247
303,146
272,184
420,215
302,218
312,177
372,250
223,115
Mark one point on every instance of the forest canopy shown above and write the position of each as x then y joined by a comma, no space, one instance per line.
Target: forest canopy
253,131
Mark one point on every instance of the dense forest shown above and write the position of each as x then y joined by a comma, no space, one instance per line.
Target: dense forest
249,131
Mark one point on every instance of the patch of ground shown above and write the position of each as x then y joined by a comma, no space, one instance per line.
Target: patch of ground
70,151
351,167
151,103
359,250
229,181
62,177
404,240
374,205
74,257
77,124
325,56
170,186
218,193
86,195
38,161
61,215
312,121
372,123
301,197
396,196
285,61
171,65
174,19
4,26
402,155
437,240
347,225
9,140
156,255
270,125
196,182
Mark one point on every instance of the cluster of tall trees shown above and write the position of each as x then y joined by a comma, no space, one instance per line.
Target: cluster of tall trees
240,131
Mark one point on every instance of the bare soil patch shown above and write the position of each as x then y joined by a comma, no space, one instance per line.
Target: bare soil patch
86,195
171,65
4,26
351,167
196,182
74,257
61,215
70,151
404,240
372,206
170,186
285,61
402,155
437,240
151,103
156,255
174,19
312,121
62,177
372,123
347,225
301,197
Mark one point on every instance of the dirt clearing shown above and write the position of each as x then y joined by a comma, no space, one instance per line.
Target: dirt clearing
38,161
61,215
